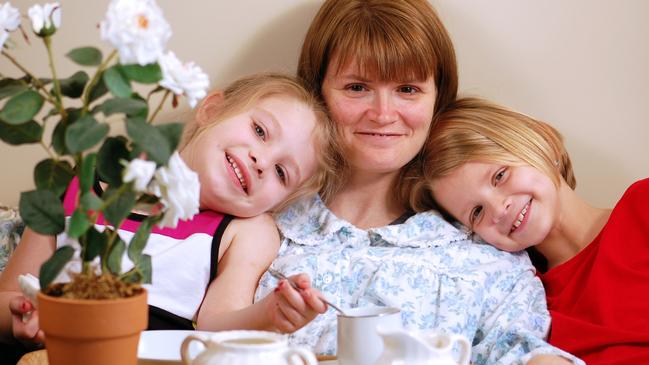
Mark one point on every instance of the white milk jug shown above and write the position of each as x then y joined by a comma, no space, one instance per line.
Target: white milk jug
245,348
421,348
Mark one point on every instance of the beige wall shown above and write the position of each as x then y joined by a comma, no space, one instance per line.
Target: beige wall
582,65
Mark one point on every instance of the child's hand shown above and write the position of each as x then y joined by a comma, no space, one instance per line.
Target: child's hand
25,322
290,309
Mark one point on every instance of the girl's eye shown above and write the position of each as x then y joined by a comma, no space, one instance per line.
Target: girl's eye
500,175
280,173
259,131
407,89
475,215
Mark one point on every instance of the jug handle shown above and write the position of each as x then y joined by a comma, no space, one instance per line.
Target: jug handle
306,356
465,346
184,349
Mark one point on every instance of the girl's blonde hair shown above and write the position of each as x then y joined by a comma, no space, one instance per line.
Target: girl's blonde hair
393,40
244,93
474,129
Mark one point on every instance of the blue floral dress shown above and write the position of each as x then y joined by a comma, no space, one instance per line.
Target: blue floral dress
438,277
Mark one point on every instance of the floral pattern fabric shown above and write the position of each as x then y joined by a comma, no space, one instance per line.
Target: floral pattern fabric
11,228
439,279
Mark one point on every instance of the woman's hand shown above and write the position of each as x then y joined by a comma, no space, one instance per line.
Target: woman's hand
290,309
25,322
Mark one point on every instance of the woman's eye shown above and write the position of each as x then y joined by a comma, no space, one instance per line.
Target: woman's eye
475,215
356,87
280,173
408,89
259,131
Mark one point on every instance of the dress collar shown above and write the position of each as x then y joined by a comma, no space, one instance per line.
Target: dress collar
309,222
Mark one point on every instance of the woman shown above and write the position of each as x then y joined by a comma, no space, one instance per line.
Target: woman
385,69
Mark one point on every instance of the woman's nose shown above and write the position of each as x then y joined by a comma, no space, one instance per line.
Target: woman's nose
383,108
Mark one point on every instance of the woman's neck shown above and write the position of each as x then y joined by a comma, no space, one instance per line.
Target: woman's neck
367,200
578,225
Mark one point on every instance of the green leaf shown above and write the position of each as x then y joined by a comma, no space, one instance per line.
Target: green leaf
98,90
150,139
117,83
53,266
58,136
87,175
84,134
144,266
115,256
85,56
73,86
53,175
140,273
11,87
173,132
42,211
139,240
148,74
120,202
21,108
90,201
79,224
127,106
94,243
30,132
109,156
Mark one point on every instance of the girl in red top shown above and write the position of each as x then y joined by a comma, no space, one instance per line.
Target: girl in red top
508,178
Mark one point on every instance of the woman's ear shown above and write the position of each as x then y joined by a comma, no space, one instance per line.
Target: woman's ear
209,107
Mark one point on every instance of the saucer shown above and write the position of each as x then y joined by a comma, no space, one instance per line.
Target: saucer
164,346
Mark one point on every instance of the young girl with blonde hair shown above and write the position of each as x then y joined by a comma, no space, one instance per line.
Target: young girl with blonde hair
508,178
261,143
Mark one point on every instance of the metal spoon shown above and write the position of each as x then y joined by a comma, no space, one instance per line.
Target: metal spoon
279,276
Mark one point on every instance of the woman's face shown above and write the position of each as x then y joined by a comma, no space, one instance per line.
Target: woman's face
384,123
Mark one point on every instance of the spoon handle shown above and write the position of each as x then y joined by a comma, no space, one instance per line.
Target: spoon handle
278,275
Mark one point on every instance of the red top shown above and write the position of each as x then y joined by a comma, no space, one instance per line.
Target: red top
599,300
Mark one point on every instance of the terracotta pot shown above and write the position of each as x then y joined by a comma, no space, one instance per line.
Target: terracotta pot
98,332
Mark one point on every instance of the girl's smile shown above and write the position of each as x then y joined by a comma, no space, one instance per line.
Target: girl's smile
238,172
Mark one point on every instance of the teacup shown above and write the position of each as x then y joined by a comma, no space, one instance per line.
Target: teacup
358,341
245,348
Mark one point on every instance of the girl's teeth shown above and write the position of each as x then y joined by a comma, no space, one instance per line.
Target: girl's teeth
237,172
521,215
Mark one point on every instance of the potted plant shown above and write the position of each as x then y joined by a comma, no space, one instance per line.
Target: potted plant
140,168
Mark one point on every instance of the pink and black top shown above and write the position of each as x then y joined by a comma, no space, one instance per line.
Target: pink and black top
184,261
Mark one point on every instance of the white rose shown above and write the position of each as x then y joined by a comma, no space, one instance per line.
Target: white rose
9,21
178,188
137,29
188,78
140,171
46,19
30,287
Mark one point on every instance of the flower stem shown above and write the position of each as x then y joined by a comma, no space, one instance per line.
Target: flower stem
39,85
157,110
57,85
94,80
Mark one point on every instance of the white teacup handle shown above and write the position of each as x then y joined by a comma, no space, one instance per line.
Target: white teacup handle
184,349
306,356
465,348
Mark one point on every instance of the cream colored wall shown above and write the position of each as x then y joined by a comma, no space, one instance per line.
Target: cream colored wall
582,65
